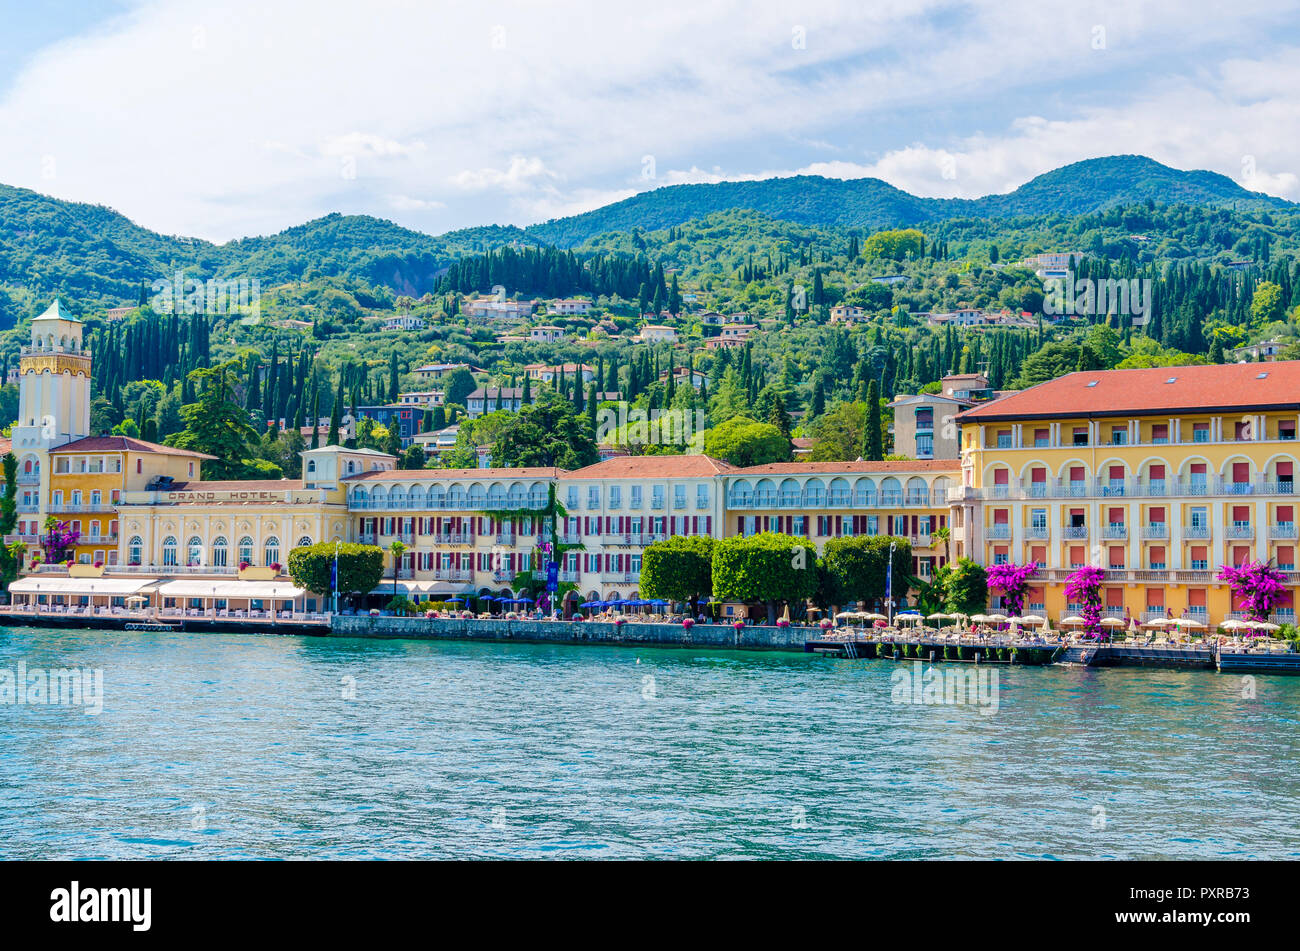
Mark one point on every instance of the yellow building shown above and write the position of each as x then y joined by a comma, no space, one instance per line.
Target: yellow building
1158,476
89,476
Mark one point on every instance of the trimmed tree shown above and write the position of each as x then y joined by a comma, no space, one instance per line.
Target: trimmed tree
856,566
965,586
678,569
361,567
769,568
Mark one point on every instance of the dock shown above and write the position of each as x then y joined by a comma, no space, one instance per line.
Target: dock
1207,657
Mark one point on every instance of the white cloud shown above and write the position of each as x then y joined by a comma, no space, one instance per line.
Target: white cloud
250,117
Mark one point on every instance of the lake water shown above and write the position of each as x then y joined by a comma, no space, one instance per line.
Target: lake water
243,746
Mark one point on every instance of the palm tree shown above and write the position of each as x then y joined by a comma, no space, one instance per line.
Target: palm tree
397,548
942,535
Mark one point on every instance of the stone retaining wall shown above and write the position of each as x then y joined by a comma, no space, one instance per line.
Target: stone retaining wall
575,632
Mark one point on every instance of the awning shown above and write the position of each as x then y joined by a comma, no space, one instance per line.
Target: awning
35,584
227,589
425,589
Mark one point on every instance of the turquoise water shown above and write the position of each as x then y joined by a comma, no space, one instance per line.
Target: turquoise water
241,746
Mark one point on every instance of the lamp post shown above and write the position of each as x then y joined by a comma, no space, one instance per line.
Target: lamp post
334,577
889,587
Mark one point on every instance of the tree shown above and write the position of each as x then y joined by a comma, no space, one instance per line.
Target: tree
1083,587
215,425
742,441
837,433
768,568
460,384
873,439
856,567
398,549
1267,304
547,433
964,585
1260,587
1013,583
360,567
678,569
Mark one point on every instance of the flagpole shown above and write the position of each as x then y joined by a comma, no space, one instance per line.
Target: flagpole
334,580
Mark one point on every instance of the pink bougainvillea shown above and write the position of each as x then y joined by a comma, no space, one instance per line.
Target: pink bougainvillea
1012,582
1260,587
1083,587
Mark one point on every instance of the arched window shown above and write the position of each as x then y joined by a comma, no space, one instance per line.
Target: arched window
220,552
245,550
271,551
134,550
194,552
311,466
169,552
304,541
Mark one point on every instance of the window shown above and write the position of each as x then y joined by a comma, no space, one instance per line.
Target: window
134,550
245,550
1118,436
1081,435
271,551
194,552
311,467
303,542
220,552
169,552
1200,432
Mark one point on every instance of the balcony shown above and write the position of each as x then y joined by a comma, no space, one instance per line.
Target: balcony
569,539
999,532
82,508
1155,530
1116,531
1282,530
626,577
453,574
452,538
1038,533
1074,532
1240,530
367,538
1196,531
29,478
506,538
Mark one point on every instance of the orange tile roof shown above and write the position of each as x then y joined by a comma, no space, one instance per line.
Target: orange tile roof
126,444
414,475
1235,387
889,465
652,467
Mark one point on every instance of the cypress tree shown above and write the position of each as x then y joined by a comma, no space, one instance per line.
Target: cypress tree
873,443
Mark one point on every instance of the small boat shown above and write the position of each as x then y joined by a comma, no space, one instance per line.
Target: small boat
152,627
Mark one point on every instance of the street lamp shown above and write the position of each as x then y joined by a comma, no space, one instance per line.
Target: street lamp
889,587
334,579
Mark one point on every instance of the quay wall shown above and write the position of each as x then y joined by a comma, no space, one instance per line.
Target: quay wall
575,632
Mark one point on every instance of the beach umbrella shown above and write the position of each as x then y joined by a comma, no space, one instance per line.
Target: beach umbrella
1029,619
1159,622
980,618
939,616
1233,624
872,616
1111,622
1189,623
1046,628
1073,619
1264,626
454,601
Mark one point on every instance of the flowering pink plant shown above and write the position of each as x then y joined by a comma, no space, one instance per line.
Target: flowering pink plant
1084,587
782,622
1012,581
739,625
688,623
1260,587
827,624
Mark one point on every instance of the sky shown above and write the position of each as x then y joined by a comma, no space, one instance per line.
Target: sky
246,117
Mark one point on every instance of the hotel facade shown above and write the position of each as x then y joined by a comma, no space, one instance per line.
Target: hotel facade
1159,477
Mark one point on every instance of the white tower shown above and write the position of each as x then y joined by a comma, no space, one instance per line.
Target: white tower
53,391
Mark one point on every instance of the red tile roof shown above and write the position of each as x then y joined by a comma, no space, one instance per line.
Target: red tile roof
126,444
1235,387
889,465
653,467
414,475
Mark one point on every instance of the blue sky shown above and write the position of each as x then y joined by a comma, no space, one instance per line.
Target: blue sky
249,116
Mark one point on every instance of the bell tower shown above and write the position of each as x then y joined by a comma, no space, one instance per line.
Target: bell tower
53,395
54,384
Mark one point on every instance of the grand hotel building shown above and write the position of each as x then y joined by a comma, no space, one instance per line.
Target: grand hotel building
1158,476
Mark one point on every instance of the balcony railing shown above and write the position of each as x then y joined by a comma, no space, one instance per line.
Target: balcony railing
1074,532
1196,531
453,574
1240,531
85,508
1282,530
1115,532
999,532
1137,488
1157,530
